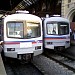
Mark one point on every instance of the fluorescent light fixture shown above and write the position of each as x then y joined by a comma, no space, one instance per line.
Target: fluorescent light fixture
19,11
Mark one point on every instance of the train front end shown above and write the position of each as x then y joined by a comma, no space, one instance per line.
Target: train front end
22,36
56,33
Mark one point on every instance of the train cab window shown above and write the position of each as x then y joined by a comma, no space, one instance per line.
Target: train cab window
63,28
15,29
52,28
57,28
23,30
33,30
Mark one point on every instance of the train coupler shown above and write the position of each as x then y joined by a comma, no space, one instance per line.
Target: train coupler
26,57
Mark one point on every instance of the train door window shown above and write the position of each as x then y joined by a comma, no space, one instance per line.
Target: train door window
33,30
52,28
63,28
15,29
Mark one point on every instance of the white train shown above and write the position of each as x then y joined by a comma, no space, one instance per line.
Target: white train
22,35
56,33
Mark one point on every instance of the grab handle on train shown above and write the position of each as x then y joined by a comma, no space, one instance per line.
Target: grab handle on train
1,42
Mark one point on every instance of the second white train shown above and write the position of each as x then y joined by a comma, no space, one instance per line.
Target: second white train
56,33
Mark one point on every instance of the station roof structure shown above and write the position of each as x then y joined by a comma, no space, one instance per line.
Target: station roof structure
12,5
8,5
40,6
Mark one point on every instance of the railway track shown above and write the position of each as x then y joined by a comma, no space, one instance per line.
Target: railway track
42,65
66,60
20,68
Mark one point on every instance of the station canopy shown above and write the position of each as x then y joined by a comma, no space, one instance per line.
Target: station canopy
37,7
13,5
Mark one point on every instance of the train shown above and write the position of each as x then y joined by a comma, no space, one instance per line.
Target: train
25,35
56,33
21,34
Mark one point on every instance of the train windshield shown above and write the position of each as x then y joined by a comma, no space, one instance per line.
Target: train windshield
23,30
33,30
63,28
14,29
57,28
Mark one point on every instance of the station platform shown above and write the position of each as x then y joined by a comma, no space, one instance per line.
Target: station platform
2,68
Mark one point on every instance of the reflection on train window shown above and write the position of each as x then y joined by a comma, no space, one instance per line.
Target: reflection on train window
33,30
56,28
15,29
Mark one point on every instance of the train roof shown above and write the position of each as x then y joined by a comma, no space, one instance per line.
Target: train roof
22,16
56,19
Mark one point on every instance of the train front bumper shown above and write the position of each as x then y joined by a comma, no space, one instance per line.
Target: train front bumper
14,52
52,45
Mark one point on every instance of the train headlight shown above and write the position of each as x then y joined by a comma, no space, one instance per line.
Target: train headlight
37,47
49,43
67,42
10,49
